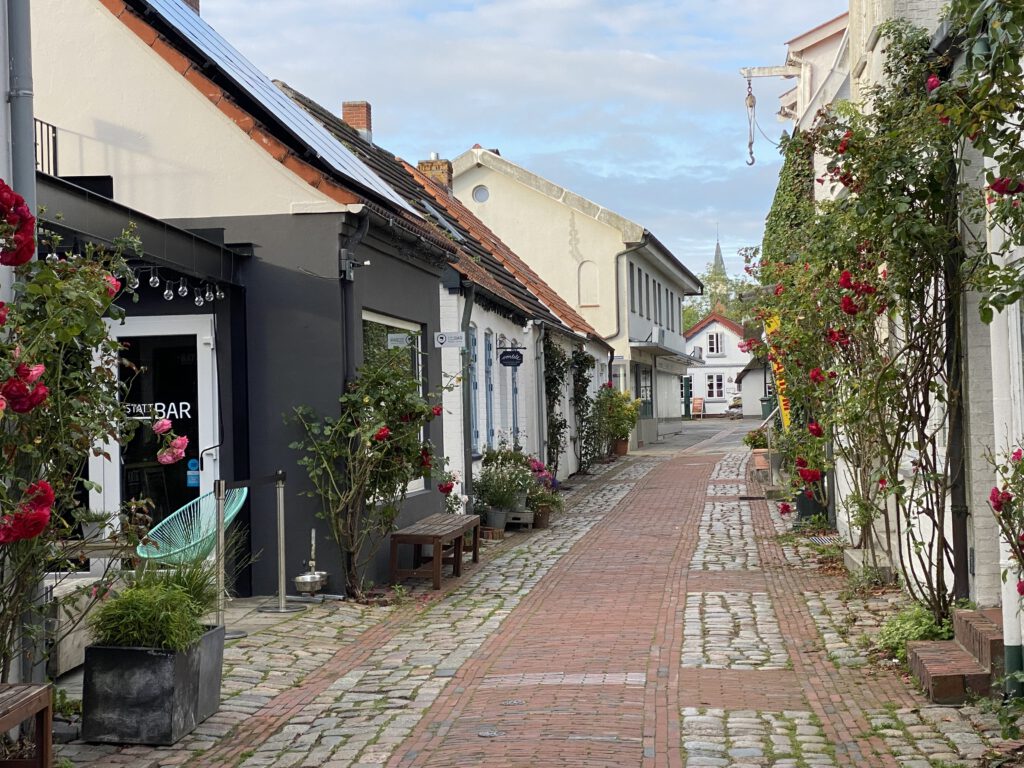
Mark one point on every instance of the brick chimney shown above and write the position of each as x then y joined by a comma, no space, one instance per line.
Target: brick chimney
194,5
358,115
439,171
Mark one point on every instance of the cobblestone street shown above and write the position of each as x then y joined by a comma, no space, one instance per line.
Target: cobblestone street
658,622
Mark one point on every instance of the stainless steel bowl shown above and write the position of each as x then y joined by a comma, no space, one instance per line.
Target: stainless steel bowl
323,579
308,583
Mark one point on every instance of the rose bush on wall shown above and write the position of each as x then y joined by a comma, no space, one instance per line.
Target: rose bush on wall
59,400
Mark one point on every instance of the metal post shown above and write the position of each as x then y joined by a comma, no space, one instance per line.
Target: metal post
219,492
281,606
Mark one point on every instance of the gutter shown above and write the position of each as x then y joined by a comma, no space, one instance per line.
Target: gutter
618,292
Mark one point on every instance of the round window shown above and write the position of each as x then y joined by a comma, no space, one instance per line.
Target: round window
481,193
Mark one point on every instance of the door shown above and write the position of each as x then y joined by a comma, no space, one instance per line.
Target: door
170,373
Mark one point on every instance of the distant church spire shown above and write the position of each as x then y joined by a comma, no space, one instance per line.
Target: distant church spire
719,263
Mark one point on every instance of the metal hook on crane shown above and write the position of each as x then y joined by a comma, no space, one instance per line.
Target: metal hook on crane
751,103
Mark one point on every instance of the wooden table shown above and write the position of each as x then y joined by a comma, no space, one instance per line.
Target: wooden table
19,703
438,531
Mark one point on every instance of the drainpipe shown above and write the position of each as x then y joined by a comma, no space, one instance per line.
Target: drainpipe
957,437
1002,402
19,96
542,426
618,284
347,264
467,399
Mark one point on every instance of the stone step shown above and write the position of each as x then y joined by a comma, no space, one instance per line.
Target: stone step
981,634
947,672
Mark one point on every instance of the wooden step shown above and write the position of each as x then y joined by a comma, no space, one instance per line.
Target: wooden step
981,637
947,672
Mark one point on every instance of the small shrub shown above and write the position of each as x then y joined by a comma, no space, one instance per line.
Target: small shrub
913,623
159,615
756,439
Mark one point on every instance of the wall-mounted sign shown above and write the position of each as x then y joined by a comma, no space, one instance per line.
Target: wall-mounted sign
182,410
192,474
511,358
450,340
398,340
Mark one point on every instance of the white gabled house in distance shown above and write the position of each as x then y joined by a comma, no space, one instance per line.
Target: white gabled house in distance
718,381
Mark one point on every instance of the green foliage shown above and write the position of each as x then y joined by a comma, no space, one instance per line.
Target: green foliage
757,438
556,371
197,581
913,623
792,211
57,319
618,413
722,293
588,444
538,496
362,461
159,615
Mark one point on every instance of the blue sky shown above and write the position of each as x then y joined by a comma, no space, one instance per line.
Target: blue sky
635,105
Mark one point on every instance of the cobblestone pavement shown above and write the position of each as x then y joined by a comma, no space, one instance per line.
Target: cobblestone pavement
658,622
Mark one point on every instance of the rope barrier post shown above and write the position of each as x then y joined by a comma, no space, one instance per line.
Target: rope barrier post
219,492
282,582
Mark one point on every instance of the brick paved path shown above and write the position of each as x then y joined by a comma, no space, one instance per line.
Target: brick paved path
658,623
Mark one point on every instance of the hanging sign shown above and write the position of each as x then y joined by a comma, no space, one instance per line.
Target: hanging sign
450,339
511,358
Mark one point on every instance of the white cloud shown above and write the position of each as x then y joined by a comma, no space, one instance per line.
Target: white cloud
637,105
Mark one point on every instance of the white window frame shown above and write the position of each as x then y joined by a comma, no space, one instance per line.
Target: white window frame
715,386
419,484
715,343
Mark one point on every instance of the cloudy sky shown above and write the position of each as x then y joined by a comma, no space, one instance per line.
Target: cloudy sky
635,105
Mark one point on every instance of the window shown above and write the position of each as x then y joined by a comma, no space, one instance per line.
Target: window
716,389
390,341
714,343
589,284
481,194
632,288
679,314
489,385
668,309
657,302
474,386
647,290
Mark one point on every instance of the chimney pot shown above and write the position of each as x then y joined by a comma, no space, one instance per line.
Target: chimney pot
439,171
358,115
194,5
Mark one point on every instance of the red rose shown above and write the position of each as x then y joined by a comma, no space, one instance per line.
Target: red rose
815,429
882,482
849,306
817,376
39,495
779,288
426,460
844,142
998,499
30,373
932,83
1004,185
846,279
785,508
1020,587
437,410
809,475
446,488
4,309
801,461
382,434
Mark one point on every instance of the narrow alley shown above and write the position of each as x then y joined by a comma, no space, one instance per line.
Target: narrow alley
659,622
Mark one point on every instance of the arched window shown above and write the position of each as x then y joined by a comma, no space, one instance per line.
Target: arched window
589,284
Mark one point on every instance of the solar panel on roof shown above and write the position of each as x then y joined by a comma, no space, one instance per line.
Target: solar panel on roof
259,87
443,221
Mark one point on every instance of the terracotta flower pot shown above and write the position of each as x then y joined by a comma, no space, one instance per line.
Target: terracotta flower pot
621,446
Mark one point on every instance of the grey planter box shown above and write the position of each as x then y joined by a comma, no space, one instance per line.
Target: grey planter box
150,696
497,518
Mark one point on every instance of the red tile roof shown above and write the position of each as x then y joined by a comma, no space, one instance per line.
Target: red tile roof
713,317
508,258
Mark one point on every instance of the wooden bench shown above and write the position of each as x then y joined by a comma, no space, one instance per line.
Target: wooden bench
438,531
19,703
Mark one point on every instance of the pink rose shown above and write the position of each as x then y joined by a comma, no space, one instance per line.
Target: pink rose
932,83
30,373
113,285
1020,587
1017,455
169,456
179,443
815,429
161,426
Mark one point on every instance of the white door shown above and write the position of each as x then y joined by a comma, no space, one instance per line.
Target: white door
172,374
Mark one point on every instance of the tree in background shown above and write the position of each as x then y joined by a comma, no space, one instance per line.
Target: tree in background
723,293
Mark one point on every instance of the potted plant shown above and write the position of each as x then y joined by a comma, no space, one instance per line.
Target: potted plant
543,502
618,414
502,486
154,671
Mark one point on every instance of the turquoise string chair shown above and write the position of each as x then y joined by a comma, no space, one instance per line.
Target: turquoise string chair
190,534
